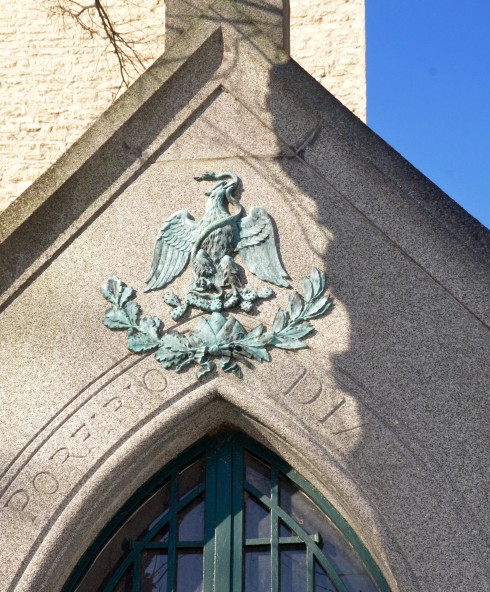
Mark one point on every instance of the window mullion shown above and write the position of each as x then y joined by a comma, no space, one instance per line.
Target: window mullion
223,518
226,553
237,512
172,532
136,574
275,530
210,521
310,567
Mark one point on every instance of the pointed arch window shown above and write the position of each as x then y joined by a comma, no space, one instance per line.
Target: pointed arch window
227,516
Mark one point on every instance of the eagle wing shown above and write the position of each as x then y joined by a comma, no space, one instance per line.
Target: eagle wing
257,247
172,249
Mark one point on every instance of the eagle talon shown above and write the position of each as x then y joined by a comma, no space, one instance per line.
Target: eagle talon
178,312
171,299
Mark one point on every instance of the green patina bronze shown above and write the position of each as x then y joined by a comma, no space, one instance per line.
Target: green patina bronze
216,287
216,336
209,244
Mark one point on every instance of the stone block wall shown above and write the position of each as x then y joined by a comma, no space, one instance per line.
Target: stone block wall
56,79
328,40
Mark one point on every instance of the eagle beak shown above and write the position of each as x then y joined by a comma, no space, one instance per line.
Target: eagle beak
206,176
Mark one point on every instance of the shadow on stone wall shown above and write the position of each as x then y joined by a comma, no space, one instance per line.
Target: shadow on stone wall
126,147
389,364
402,331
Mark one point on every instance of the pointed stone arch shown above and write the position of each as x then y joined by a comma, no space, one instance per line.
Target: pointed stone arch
154,435
227,477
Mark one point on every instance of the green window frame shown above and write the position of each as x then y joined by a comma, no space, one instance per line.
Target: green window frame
228,506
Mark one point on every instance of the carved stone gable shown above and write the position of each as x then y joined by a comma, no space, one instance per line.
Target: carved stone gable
374,390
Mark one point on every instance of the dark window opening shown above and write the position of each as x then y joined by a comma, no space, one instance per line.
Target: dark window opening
227,516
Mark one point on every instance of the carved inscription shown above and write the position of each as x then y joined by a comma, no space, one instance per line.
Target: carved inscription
332,411
18,500
114,404
18,503
64,453
81,432
154,381
77,445
351,429
302,386
45,482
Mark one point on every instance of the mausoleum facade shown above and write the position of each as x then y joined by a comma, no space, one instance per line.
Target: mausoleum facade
244,343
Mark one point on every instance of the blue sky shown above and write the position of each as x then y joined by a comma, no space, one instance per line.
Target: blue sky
428,91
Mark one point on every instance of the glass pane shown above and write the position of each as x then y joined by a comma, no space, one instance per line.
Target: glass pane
294,502
284,531
257,575
164,496
358,582
333,545
189,571
292,569
258,474
187,565
322,581
190,521
192,476
161,536
117,548
154,568
125,584
257,519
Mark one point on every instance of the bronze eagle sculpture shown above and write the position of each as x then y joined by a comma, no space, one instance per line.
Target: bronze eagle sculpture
209,244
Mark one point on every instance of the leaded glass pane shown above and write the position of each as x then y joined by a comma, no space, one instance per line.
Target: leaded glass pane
322,582
358,582
154,569
190,571
125,584
257,570
284,531
257,519
333,545
292,568
190,521
192,476
162,503
117,548
177,541
258,474
161,536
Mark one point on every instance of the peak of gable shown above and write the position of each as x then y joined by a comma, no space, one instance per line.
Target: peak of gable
227,49
271,15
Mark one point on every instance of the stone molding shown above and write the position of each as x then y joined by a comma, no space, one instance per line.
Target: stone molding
383,415
56,82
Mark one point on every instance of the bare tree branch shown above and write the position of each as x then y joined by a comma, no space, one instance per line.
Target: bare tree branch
94,19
